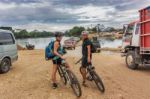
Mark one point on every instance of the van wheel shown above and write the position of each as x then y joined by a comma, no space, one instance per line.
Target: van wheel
5,65
130,60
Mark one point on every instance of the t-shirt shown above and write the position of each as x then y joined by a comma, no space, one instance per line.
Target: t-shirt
59,50
86,42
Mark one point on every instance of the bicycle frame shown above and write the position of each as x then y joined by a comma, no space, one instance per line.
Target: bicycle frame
90,68
64,72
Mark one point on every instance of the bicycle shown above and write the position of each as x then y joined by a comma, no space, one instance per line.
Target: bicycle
92,75
68,76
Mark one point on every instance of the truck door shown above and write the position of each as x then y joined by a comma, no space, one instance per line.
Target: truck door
136,35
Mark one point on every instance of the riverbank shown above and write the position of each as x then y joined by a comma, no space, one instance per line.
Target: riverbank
29,78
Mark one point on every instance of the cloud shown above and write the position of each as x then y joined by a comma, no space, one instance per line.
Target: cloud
20,1
32,13
63,14
44,26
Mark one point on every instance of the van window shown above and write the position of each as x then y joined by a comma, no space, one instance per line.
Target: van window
6,38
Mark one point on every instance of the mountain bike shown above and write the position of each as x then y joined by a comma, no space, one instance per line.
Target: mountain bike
68,76
93,76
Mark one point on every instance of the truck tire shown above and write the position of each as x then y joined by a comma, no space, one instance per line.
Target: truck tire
130,60
5,65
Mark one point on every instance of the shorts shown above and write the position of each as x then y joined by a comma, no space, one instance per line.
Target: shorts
85,62
57,61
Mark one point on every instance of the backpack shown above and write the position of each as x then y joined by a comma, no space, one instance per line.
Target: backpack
49,51
93,48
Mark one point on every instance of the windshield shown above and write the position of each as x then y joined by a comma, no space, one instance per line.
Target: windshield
130,30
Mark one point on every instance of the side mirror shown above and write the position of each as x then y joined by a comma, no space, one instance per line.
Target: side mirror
124,28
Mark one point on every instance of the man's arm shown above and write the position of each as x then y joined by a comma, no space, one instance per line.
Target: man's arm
89,53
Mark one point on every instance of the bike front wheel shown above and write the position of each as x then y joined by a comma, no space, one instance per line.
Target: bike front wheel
98,82
62,75
74,84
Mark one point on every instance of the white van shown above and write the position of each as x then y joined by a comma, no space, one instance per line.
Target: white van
8,50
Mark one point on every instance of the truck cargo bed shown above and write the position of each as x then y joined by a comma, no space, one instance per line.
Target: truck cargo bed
145,30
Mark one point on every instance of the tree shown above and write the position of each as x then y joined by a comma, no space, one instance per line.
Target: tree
75,31
22,34
94,29
110,29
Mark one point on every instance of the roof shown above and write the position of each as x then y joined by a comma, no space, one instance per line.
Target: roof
1,30
145,8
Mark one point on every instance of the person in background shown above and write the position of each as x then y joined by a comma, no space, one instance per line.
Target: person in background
86,55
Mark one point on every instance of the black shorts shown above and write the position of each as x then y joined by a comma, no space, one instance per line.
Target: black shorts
57,61
85,63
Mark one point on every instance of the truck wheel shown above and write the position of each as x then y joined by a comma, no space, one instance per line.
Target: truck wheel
130,60
5,65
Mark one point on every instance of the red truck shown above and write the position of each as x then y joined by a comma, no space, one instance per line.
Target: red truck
136,40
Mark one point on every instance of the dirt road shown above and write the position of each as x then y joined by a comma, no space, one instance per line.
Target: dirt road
29,78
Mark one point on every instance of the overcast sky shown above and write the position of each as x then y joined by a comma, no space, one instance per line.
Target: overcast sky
60,15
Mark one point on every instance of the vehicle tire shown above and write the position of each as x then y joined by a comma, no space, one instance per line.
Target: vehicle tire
130,60
5,65
99,51
62,76
74,84
98,82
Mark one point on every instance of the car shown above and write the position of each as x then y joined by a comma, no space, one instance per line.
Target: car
96,44
8,50
70,43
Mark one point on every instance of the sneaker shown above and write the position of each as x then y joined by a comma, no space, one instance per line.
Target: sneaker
54,85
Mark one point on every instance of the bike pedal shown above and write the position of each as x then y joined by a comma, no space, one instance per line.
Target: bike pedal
93,67
89,78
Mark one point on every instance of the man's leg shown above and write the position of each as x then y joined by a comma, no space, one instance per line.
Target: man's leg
83,73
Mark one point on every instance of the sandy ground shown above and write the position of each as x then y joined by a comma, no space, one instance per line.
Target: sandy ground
29,78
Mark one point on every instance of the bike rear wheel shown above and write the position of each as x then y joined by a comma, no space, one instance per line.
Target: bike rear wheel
62,75
98,82
74,84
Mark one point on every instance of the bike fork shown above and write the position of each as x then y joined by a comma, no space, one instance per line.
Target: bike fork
68,78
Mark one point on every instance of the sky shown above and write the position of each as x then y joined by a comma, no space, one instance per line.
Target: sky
61,15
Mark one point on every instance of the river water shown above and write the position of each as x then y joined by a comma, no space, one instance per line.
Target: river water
41,43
